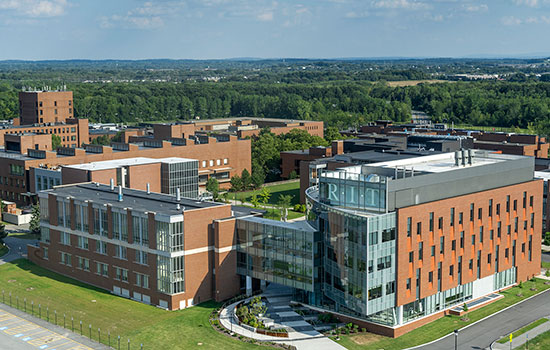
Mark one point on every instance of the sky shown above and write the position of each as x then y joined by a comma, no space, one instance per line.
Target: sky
217,29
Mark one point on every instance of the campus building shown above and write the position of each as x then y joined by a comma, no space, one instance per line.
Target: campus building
154,248
28,159
390,245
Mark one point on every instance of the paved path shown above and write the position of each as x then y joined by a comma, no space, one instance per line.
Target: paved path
522,339
302,340
20,331
546,256
18,246
482,334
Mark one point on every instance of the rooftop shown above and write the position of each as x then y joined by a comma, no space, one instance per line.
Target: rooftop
117,163
131,198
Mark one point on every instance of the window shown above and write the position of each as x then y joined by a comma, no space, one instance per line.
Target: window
441,244
411,257
461,239
121,274
481,234
140,230
44,234
532,220
471,264
489,258
390,287
433,250
102,269
490,207
384,263
408,283
418,228
65,259
141,257
491,234
82,242
375,292
120,252
409,224
479,213
218,162
431,276
453,245
211,163
516,224
451,270
120,226
225,161
45,255
498,209
420,250
83,264
531,201
472,212
499,229
204,163
440,225
452,216
142,280
523,247
431,222
507,204
101,247
524,200
506,252
473,239
65,238
460,218
515,204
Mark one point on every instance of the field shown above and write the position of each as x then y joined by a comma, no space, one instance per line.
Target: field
415,82
289,188
541,342
523,330
154,327
442,326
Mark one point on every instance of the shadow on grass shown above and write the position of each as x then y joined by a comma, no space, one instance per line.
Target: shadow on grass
38,271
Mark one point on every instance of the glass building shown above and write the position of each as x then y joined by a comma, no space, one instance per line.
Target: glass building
180,173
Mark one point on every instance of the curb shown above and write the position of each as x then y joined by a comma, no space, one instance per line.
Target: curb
483,319
8,253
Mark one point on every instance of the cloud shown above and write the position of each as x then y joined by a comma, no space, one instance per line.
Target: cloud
35,8
476,8
510,21
399,4
357,14
530,3
265,16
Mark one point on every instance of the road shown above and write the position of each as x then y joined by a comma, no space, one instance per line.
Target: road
18,246
482,334
546,256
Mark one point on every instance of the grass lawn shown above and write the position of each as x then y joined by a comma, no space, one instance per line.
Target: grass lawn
442,326
154,327
23,235
3,250
546,265
292,188
541,342
523,330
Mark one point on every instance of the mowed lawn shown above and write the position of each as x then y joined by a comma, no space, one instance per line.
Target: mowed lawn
291,188
541,342
154,327
442,326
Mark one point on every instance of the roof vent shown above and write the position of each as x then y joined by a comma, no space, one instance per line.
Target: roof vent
112,185
120,193
148,188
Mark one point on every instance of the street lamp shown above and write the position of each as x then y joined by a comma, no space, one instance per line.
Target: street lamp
456,339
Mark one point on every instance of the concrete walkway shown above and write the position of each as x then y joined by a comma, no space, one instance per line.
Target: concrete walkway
300,333
522,339
17,246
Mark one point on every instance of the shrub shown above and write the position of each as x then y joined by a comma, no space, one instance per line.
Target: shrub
465,307
363,330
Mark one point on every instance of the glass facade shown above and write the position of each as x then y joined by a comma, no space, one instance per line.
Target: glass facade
277,252
182,175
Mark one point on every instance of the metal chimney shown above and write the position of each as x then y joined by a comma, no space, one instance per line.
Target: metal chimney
178,194
148,188
112,185
120,193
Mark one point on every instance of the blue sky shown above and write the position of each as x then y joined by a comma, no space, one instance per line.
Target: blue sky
135,29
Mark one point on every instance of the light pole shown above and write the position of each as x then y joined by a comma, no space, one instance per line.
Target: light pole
456,339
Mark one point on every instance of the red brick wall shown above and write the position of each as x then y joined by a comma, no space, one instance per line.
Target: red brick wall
442,208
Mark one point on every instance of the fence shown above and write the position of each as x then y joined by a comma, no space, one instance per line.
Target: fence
31,308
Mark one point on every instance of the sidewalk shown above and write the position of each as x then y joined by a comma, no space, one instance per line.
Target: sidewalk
522,339
302,340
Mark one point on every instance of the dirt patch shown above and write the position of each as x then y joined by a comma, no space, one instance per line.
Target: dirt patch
415,82
366,338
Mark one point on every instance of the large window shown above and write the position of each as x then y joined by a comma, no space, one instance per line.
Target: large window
170,274
140,230
120,226
170,236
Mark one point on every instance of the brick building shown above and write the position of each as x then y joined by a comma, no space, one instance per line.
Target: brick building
219,158
153,248
241,127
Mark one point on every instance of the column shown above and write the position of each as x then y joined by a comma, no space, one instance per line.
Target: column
248,285
399,310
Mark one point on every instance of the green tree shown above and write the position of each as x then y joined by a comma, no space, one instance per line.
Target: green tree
265,194
246,179
236,183
255,200
34,225
3,233
284,204
332,133
213,186
293,175
56,141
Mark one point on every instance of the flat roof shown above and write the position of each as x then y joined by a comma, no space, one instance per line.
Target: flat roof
131,198
117,163
542,175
